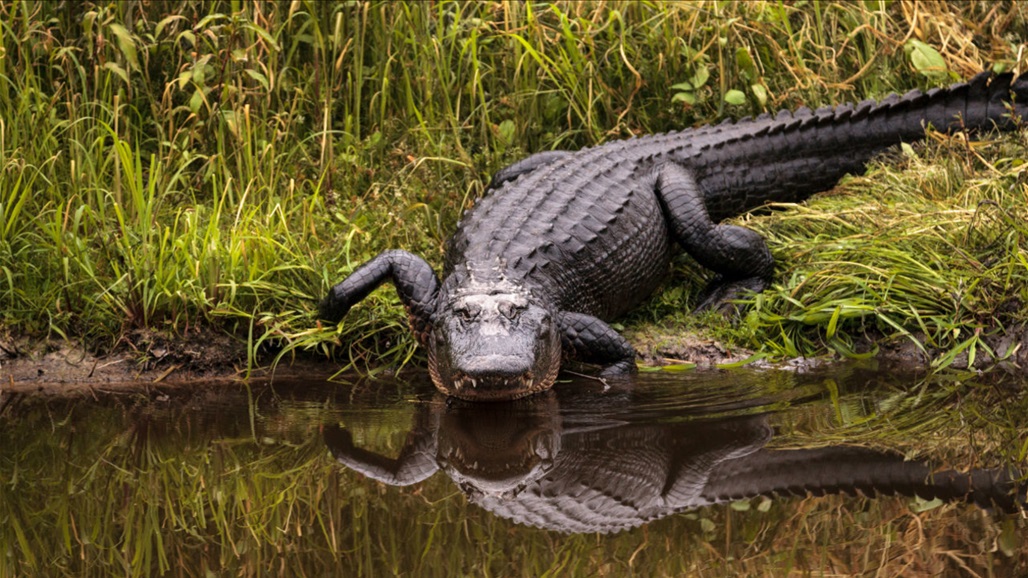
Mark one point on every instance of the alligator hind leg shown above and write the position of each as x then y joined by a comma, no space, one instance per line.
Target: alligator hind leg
415,282
591,340
739,256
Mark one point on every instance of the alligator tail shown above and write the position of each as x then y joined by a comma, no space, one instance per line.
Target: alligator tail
984,102
793,155
855,470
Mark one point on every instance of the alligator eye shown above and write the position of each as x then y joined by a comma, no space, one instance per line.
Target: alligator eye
462,314
465,314
507,310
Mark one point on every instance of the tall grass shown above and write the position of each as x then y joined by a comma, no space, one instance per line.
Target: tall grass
937,259
191,165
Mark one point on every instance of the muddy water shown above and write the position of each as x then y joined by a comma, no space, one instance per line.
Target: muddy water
843,471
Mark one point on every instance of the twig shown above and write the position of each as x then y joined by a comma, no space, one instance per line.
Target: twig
606,385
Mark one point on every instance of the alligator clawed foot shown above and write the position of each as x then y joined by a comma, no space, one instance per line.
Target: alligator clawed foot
339,438
721,296
619,370
615,376
618,376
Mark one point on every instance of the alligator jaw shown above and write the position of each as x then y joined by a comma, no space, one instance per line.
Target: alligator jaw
493,388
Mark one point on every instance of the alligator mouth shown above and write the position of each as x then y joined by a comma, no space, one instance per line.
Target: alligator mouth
504,474
493,377
494,387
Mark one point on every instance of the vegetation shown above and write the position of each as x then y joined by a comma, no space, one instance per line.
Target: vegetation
184,166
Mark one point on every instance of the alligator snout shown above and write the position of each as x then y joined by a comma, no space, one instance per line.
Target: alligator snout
496,366
493,375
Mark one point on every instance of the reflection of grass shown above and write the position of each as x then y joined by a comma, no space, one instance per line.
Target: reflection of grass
153,497
144,488
183,165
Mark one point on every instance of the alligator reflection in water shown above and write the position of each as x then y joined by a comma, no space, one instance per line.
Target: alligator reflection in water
598,471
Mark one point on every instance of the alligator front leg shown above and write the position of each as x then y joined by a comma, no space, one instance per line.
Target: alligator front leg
739,256
415,282
591,340
417,461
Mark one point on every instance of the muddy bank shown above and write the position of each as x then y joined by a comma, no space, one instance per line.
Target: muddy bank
145,358
661,346
141,358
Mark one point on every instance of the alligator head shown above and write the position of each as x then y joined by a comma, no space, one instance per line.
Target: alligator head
499,449
493,341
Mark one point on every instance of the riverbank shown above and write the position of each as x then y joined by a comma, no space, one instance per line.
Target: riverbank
145,360
174,169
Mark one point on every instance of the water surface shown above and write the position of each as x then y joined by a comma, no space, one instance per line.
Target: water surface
843,471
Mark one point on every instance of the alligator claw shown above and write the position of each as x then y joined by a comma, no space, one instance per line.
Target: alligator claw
622,368
721,295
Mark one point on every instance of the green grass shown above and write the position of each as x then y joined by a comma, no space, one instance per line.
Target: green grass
186,166
932,249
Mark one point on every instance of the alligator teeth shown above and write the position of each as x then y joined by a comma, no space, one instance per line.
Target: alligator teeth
520,385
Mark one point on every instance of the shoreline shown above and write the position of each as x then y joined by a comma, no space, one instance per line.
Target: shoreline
147,359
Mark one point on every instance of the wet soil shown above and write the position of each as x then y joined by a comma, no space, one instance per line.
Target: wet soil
145,357
142,358
662,347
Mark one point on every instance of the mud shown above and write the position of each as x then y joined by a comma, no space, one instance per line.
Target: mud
143,359
657,347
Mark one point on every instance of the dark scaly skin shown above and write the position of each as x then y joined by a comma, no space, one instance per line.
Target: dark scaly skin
531,466
565,241
414,279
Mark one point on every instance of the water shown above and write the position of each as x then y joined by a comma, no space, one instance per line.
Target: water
708,474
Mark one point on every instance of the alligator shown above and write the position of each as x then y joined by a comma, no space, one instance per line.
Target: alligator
564,242
588,471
